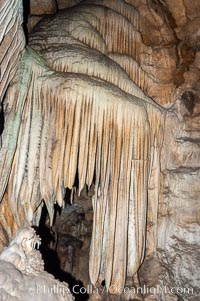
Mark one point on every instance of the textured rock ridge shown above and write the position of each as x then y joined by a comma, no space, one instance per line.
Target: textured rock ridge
12,41
22,275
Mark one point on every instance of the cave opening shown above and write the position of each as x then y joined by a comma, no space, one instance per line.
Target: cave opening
26,14
65,244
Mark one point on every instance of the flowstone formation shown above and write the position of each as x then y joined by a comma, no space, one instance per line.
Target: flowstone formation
84,122
89,119
22,252
22,275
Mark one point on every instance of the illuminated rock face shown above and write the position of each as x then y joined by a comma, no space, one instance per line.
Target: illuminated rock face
22,253
12,41
22,275
79,104
103,114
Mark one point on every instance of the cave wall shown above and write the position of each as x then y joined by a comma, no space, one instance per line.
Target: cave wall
179,202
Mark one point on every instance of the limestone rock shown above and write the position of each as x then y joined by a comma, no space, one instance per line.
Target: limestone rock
16,286
102,51
22,275
12,41
42,7
32,22
62,4
179,207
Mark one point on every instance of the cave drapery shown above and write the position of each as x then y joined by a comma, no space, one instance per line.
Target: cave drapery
73,105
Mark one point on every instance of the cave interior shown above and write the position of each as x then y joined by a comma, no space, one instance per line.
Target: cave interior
100,150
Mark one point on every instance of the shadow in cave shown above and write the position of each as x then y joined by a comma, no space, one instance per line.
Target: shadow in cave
2,120
26,12
52,262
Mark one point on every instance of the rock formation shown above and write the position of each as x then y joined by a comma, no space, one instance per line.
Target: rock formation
22,275
104,86
22,253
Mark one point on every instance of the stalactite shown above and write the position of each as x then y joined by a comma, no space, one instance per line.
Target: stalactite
12,41
16,100
79,110
134,70
116,34
93,63
95,127
84,30
121,7
8,225
112,30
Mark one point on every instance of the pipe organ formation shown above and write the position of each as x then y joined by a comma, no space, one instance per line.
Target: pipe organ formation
77,106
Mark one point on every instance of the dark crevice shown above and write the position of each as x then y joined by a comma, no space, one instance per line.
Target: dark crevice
50,256
2,120
26,12
188,101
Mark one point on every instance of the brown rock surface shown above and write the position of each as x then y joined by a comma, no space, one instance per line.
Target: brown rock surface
62,4
42,7
32,22
179,203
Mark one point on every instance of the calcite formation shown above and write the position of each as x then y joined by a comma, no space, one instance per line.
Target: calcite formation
101,89
12,41
22,253
102,115
100,130
22,275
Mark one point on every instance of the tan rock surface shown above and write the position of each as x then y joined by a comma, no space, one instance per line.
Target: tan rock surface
42,7
62,4
32,22
12,41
